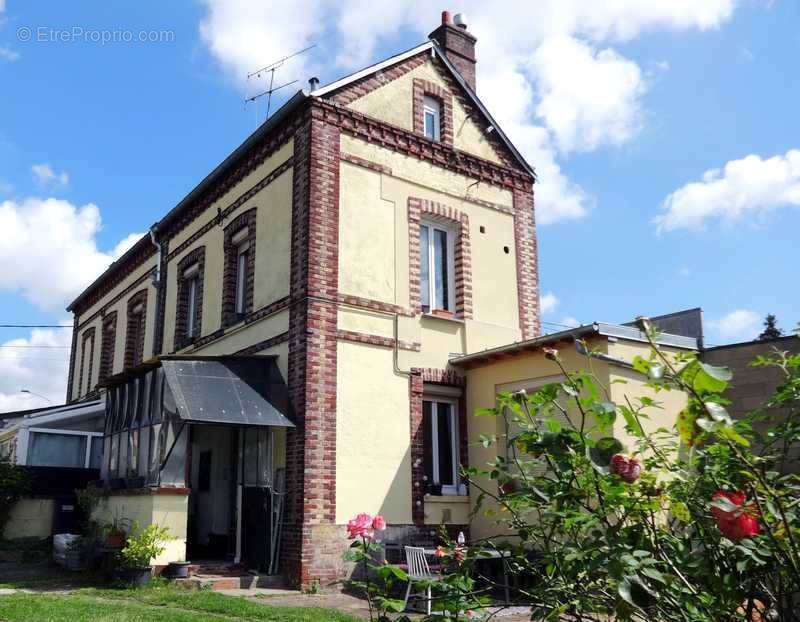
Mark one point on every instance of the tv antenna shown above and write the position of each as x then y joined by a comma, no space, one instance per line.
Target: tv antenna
271,70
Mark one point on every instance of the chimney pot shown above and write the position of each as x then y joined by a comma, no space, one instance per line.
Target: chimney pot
313,83
446,17
460,20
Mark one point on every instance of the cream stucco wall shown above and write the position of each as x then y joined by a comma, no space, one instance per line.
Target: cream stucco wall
167,510
373,459
392,103
30,518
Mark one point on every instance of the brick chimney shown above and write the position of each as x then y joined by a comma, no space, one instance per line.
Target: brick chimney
458,44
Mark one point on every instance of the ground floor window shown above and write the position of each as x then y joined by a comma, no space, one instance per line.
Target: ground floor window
77,450
441,446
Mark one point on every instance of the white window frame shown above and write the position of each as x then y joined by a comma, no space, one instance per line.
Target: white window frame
89,436
432,107
191,310
435,400
433,225
241,278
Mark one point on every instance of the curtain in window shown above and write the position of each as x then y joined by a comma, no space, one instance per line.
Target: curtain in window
57,450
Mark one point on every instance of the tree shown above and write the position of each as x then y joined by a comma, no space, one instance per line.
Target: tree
771,330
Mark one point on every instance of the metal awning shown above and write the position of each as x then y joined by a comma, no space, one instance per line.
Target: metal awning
231,390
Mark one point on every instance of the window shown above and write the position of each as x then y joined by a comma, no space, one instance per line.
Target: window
108,340
432,115
238,273
440,445
189,309
77,450
134,336
436,267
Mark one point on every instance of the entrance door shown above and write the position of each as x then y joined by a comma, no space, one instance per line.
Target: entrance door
256,527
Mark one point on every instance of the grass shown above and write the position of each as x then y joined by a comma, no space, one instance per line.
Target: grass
157,604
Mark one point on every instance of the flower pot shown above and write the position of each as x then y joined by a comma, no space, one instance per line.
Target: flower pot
136,577
178,570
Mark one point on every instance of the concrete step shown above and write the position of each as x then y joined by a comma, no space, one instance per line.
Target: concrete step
232,581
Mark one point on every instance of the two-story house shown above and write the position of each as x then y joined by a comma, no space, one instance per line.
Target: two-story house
275,352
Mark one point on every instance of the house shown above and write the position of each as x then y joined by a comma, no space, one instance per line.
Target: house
61,448
274,350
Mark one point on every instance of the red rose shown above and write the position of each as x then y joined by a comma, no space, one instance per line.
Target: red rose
738,523
629,469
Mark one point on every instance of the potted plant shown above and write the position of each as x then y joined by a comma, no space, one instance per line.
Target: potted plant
139,552
116,532
178,570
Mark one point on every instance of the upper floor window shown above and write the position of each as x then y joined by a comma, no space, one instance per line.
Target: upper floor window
189,310
134,335
87,356
108,340
432,118
436,267
237,278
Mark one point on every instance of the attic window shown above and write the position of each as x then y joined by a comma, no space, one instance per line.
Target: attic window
432,118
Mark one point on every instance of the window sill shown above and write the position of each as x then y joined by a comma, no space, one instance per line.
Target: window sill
447,317
447,498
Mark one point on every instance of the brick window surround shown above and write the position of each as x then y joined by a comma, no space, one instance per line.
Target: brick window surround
135,329
244,220
198,257
108,339
88,336
419,377
422,88
419,209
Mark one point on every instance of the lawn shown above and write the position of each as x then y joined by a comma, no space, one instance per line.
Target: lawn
156,604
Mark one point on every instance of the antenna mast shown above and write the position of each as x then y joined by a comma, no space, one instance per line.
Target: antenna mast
271,69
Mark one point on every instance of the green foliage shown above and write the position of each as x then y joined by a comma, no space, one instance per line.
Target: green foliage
378,580
141,549
14,484
651,547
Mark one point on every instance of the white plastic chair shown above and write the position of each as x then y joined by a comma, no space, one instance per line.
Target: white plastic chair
418,570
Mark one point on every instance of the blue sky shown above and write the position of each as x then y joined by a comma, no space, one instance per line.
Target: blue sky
622,107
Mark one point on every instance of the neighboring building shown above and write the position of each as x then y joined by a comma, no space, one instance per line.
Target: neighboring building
752,387
288,325
523,365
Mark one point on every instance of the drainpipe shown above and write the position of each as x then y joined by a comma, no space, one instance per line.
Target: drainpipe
395,359
158,285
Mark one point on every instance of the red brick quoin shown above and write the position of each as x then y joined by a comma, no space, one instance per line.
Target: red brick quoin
527,263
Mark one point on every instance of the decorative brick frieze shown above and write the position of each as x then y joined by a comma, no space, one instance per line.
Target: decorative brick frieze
373,305
418,209
87,337
119,296
311,446
351,92
415,145
263,345
527,263
108,342
135,329
181,337
422,88
419,377
364,163
376,340
246,221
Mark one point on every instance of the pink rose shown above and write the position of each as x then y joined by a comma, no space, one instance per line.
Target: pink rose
360,526
629,469
440,552
379,523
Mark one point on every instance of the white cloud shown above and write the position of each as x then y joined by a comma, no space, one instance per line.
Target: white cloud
39,363
587,97
738,325
546,69
548,302
48,250
570,322
742,189
6,53
45,175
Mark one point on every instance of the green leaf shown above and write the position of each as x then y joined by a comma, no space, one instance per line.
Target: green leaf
641,365
634,592
706,378
601,453
654,574
733,435
486,412
686,424
632,422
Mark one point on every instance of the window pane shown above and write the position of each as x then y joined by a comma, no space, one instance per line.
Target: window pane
96,452
241,279
445,444
250,457
57,450
191,316
430,124
424,251
427,442
113,458
441,283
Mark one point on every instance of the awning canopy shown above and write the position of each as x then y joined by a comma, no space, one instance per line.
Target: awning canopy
230,390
